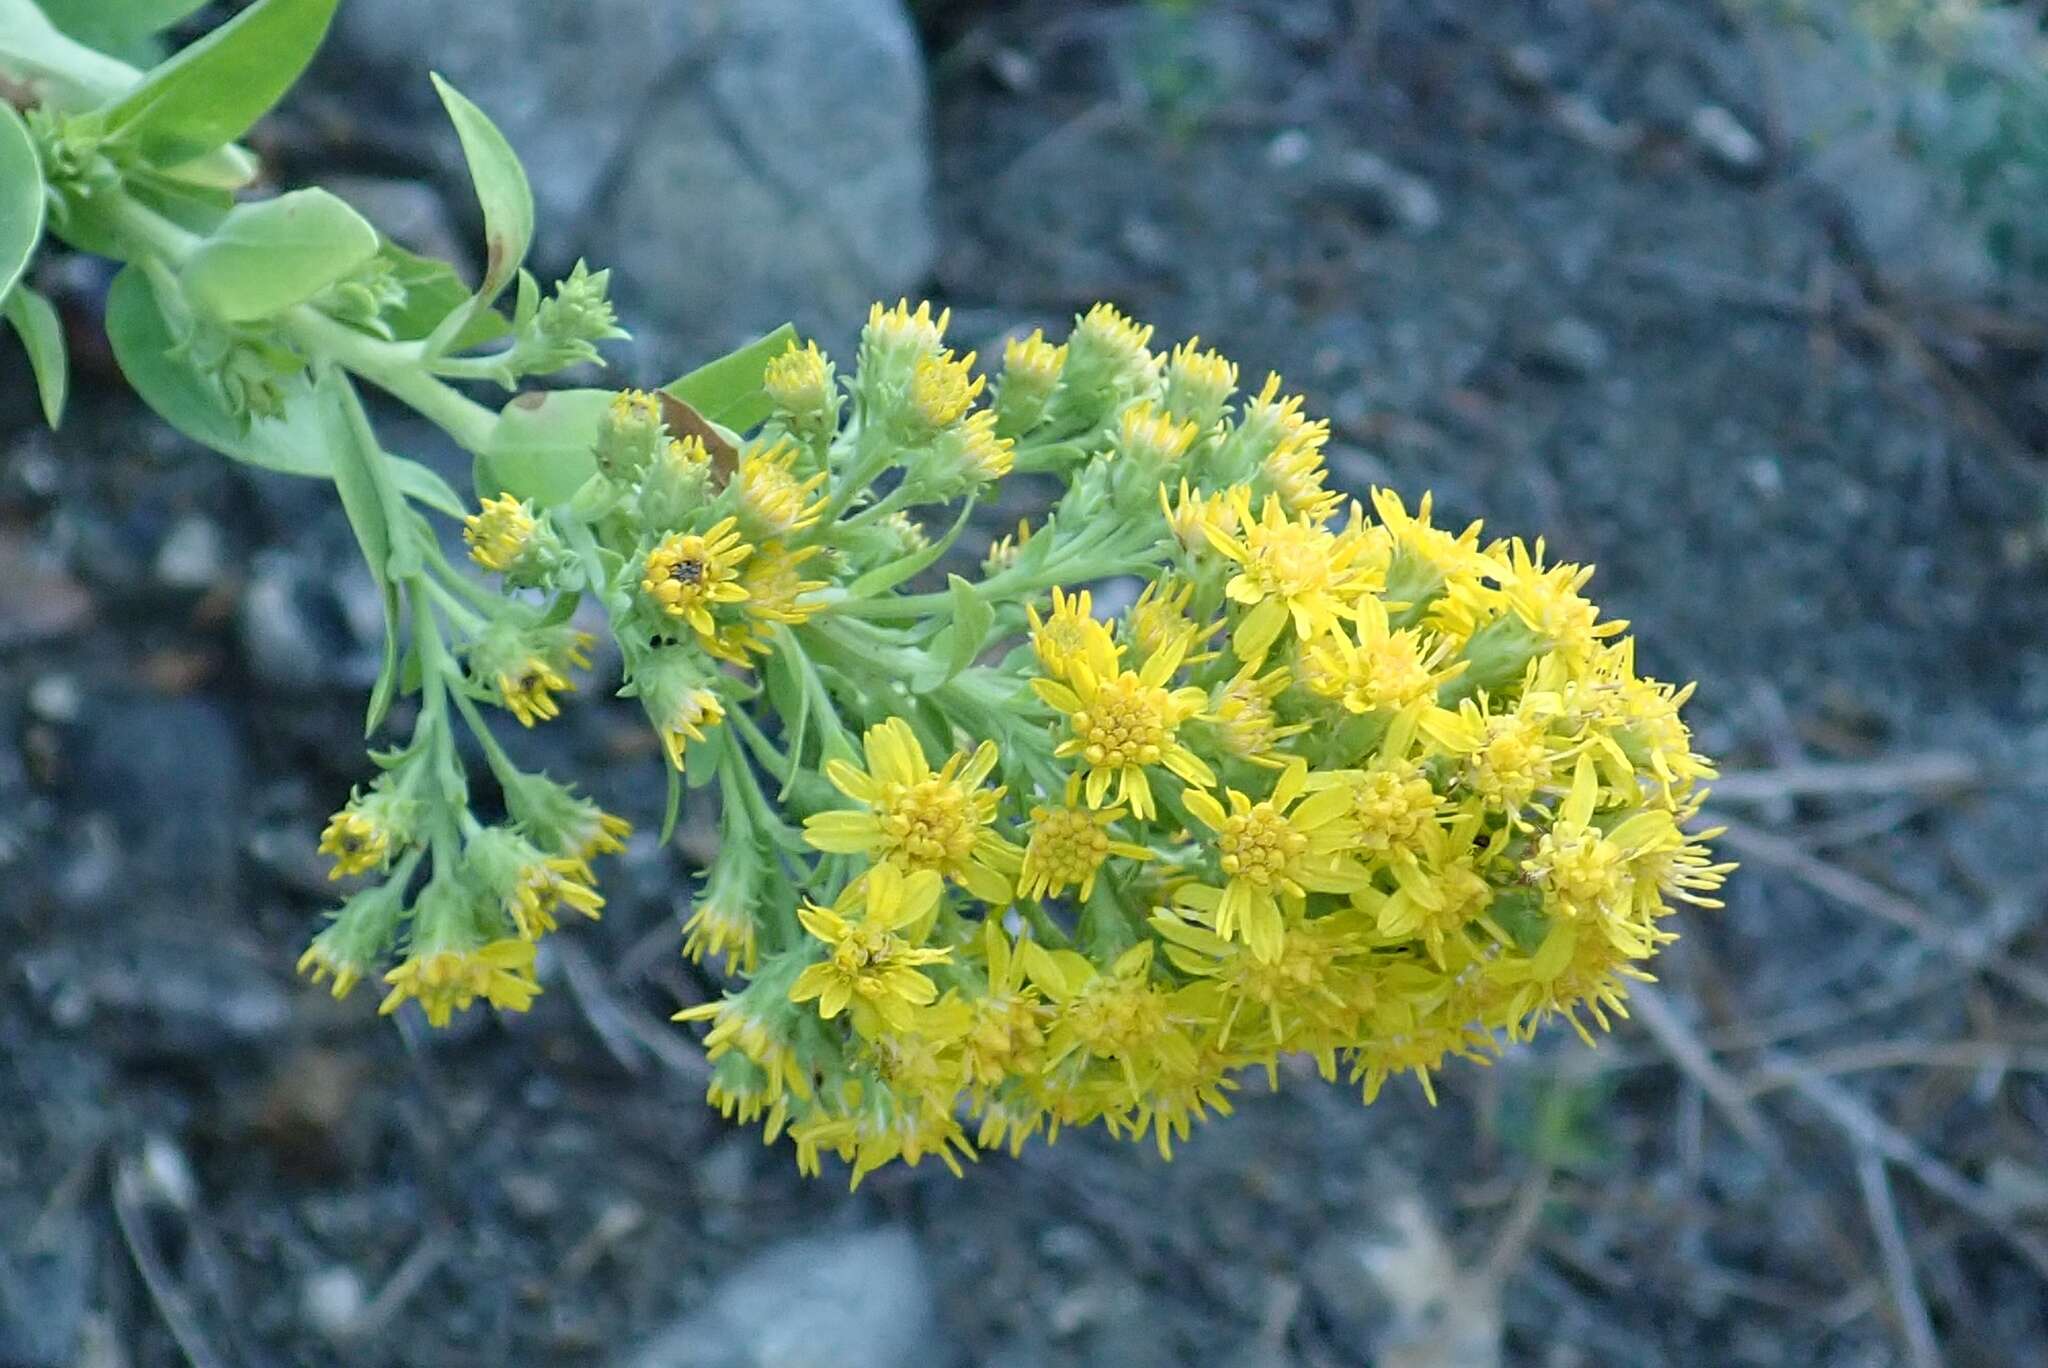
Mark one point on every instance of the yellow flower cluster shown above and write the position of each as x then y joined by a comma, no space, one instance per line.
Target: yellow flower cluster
1032,851
1338,783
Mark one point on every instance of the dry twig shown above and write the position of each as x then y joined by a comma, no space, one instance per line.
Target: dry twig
1648,1006
1914,1323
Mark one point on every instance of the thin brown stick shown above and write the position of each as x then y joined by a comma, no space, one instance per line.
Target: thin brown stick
1969,1055
130,1198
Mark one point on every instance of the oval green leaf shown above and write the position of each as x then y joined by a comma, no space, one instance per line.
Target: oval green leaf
728,391
505,197
268,255
42,333
21,198
291,445
117,26
542,444
212,92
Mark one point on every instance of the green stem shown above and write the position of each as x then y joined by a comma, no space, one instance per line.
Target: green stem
399,369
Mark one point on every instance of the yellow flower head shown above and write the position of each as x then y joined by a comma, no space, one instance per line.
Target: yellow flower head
974,451
500,533
1282,847
446,981
1289,570
1198,383
1294,472
1031,368
370,831
901,330
1005,1032
690,573
688,714
1242,713
914,818
323,958
774,500
1270,420
870,963
1122,723
1151,435
356,841
777,590
1069,633
1160,617
1447,558
530,885
1108,347
1115,1013
1067,849
722,927
1003,552
528,684
1375,668
1190,515
799,381
942,388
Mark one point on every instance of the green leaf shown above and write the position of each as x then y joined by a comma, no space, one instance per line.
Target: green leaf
432,292
375,511
195,208
21,198
541,447
268,255
215,90
972,617
883,578
65,72
728,391
117,26
507,202
42,333
292,445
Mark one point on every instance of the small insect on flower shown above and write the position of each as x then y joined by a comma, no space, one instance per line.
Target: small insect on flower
690,573
370,831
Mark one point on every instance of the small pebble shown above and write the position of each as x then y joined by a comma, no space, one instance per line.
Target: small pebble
332,1300
1725,141
192,556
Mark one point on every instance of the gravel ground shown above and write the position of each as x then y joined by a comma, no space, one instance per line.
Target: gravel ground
1502,247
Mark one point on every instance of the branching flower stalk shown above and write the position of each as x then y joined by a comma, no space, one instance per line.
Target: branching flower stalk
1208,766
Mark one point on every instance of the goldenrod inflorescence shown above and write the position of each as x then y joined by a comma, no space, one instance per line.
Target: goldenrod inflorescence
1208,768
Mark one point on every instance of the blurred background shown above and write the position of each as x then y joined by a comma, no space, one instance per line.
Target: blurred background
1742,301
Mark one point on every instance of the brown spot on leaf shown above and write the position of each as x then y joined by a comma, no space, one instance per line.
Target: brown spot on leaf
684,421
529,401
497,257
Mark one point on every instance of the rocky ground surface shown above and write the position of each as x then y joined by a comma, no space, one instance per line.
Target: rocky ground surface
1615,273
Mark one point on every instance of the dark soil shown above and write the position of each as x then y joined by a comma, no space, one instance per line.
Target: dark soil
1810,493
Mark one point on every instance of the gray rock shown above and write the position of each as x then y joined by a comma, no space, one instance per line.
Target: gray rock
411,214
858,1300
1725,141
1569,347
1390,195
738,162
192,556
46,1274
306,628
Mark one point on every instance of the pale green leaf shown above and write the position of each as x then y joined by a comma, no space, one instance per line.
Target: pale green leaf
268,255
42,333
728,391
212,92
541,447
116,26
57,68
883,578
21,198
506,199
291,445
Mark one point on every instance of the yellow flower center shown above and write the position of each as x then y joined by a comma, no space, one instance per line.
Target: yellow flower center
1259,845
1584,870
1129,722
1005,1038
1391,804
927,825
1511,765
1289,560
1114,1016
1067,845
355,843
